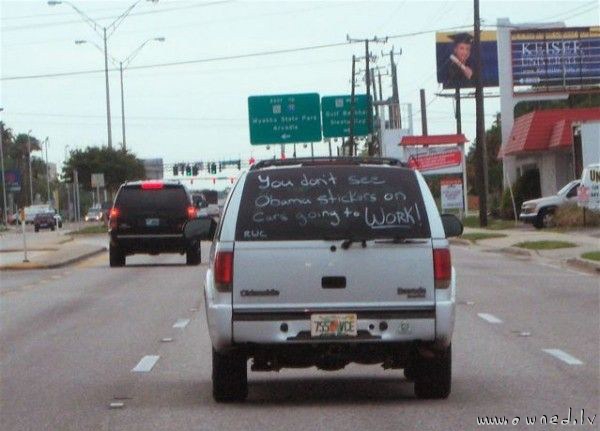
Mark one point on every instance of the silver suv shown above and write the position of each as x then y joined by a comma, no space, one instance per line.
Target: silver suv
323,262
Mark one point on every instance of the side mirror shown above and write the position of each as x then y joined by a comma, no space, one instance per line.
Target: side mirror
452,225
200,229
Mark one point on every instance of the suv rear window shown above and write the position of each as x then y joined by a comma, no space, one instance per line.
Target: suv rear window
133,198
331,202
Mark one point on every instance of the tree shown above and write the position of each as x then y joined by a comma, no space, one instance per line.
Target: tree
493,143
117,165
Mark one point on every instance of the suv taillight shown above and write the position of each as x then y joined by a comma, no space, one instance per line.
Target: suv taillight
442,268
191,213
113,215
224,271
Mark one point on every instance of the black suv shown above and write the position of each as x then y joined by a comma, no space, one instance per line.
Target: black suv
149,217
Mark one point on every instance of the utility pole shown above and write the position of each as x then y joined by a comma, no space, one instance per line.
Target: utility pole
108,125
122,106
47,174
369,103
29,162
368,85
457,113
423,113
352,103
481,150
396,118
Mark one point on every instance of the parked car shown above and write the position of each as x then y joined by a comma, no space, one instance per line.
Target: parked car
94,214
324,262
148,217
540,212
44,220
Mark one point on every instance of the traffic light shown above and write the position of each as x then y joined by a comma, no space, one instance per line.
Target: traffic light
195,170
175,170
220,167
188,170
213,168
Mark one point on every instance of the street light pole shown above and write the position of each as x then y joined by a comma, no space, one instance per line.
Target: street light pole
29,162
47,175
112,28
4,208
122,106
108,125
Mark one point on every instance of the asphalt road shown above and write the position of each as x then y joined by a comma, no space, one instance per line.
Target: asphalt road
70,338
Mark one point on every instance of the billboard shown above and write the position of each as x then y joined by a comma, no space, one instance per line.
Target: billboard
12,178
455,60
452,193
556,58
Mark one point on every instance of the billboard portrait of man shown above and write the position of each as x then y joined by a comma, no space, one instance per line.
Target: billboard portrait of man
455,68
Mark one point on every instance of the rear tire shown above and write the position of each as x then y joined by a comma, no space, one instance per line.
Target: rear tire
36,229
192,256
229,376
52,228
433,377
116,257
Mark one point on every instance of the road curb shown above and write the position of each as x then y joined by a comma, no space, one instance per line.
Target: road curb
515,251
70,261
584,264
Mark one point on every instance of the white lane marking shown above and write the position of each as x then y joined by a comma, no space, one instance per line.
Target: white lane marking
181,323
489,318
146,364
563,356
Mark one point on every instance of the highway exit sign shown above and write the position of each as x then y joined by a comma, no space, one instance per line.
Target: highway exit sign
284,118
336,112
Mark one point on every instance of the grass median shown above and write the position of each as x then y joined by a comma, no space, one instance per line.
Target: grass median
493,223
592,255
90,230
544,245
476,236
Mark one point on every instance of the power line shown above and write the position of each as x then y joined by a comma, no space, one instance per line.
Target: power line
149,12
222,58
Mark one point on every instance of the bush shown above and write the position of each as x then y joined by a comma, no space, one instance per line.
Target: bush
572,216
525,188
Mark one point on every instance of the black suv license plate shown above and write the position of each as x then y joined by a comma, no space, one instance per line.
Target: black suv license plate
152,222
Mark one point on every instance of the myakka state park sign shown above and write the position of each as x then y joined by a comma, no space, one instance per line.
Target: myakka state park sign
286,118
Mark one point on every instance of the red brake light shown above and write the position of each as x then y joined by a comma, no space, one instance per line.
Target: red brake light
191,212
152,185
442,268
112,217
224,271
114,213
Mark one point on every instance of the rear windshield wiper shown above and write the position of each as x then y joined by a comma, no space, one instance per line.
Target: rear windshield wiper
347,240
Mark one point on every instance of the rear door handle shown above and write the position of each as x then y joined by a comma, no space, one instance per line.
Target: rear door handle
333,282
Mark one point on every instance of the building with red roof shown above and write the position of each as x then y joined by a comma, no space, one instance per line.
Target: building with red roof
547,140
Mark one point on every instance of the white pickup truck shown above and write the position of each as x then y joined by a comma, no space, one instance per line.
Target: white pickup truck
540,212
323,262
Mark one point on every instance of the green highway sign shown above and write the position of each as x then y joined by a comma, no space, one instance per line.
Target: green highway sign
284,118
336,116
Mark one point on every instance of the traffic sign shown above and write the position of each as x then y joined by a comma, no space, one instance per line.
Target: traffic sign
336,112
284,118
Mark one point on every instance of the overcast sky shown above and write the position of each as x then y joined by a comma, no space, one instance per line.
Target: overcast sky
198,111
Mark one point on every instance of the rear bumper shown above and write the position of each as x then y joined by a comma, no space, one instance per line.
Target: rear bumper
149,243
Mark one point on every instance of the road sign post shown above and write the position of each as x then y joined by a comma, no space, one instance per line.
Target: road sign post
336,112
284,119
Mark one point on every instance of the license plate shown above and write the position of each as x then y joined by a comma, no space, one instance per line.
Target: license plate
333,325
151,222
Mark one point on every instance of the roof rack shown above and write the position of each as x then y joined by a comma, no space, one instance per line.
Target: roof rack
317,161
